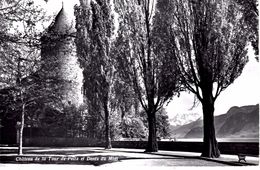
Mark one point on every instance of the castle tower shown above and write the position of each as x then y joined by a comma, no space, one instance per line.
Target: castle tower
59,56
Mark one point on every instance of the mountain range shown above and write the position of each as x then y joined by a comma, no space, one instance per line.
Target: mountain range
238,122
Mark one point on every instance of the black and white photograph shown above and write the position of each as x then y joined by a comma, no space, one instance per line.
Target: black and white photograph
129,83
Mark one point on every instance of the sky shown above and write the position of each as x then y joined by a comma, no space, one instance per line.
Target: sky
244,90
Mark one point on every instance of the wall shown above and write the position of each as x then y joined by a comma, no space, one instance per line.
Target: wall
225,147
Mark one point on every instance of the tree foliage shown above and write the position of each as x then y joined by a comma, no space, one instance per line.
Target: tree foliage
162,123
209,40
20,58
250,17
19,39
94,31
144,65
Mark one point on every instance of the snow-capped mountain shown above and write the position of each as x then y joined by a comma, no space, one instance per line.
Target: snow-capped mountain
182,119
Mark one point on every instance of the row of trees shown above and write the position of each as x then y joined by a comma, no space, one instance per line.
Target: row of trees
79,122
160,49
31,96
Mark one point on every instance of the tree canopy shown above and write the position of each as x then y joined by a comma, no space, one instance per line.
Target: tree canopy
143,61
250,17
209,41
94,31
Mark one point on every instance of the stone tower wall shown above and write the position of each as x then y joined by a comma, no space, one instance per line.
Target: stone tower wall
60,58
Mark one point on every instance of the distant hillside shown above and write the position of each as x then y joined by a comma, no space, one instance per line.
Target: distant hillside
238,122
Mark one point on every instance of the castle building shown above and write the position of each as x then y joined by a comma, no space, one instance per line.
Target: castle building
60,66
59,56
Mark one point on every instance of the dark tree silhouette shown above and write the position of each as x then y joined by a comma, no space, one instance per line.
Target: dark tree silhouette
209,40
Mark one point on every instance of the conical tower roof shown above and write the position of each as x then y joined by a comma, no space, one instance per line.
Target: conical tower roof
63,23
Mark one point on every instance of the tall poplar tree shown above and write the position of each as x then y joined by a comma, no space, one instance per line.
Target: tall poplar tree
143,63
94,24
209,40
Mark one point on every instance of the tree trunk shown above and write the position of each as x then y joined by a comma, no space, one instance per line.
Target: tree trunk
210,144
152,145
20,149
107,124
